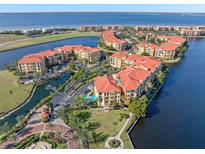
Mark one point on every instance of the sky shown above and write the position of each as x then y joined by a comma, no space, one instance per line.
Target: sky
102,8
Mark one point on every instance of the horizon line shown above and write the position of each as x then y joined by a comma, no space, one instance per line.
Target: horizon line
107,12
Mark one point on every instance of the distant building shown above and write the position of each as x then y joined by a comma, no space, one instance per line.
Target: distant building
166,51
38,62
112,41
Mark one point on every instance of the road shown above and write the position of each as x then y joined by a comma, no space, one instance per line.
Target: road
74,89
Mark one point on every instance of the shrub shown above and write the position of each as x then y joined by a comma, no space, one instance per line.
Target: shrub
114,143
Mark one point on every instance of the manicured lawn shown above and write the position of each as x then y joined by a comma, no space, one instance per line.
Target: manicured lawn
10,37
45,39
125,137
12,93
106,119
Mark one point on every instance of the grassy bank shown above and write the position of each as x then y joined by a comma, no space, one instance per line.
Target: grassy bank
45,39
125,138
12,94
110,124
11,37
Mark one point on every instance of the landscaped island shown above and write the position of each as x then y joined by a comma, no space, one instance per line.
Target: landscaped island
43,39
12,93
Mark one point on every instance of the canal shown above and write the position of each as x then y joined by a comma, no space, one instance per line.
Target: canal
15,54
175,118
41,91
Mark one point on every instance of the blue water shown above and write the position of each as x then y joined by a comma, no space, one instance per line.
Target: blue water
176,117
14,55
41,91
40,20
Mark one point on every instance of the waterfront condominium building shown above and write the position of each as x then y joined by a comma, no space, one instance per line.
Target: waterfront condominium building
31,63
112,41
89,54
117,60
179,41
167,49
133,82
107,91
38,62
84,53
137,72
122,59
51,57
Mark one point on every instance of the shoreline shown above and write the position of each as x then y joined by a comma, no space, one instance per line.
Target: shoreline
137,120
47,42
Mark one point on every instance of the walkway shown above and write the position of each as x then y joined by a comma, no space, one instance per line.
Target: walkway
107,146
125,125
36,129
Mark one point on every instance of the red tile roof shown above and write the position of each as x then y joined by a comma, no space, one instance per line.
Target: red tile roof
106,84
29,59
47,53
37,57
120,55
174,39
142,45
149,63
141,34
134,57
91,50
179,40
168,46
131,77
110,37
153,46
69,48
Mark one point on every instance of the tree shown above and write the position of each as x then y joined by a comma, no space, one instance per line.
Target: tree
151,40
4,128
144,54
79,102
161,76
64,113
138,106
19,118
71,66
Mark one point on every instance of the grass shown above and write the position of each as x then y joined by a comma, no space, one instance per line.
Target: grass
62,146
106,119
125,137
11,37
44,39
12,94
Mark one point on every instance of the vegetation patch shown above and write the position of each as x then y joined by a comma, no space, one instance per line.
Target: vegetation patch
11,37
44,39
12,93
114,143
56,140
